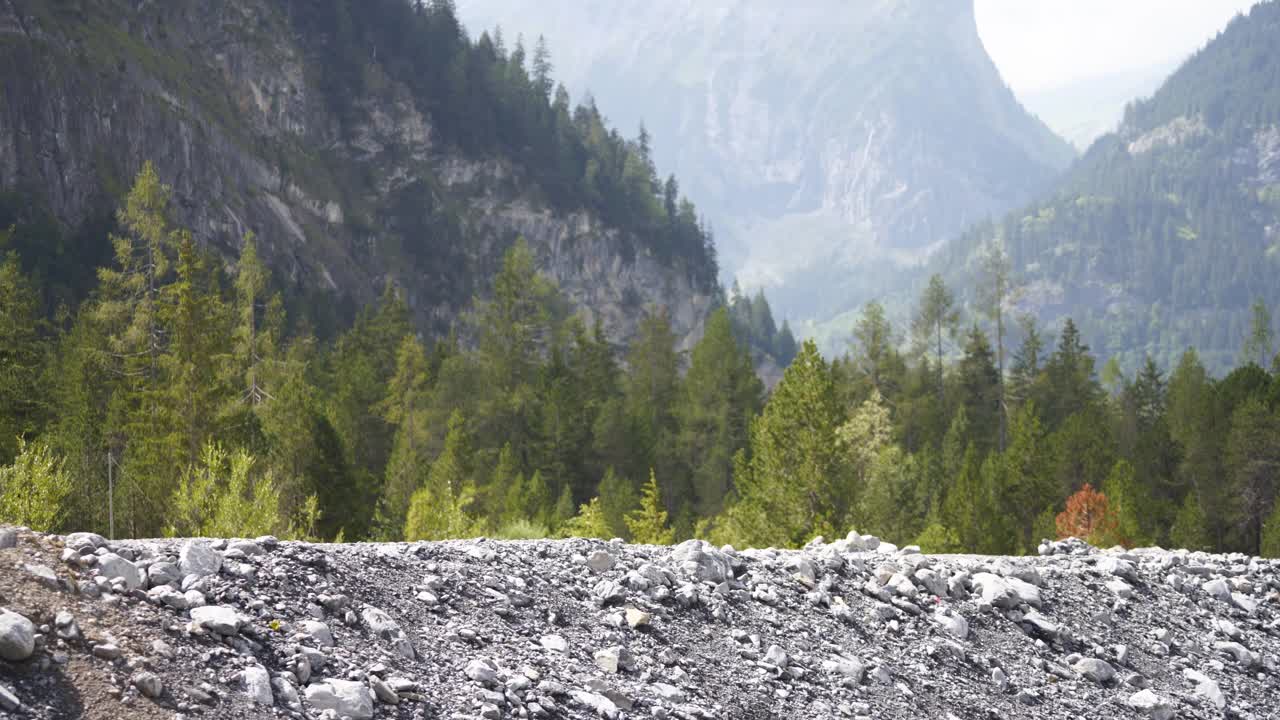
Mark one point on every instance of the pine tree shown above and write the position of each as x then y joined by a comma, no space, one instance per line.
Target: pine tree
140,424
404,408
935,317
590,522
873,336
719,396
651,389
647,524
1190,528
1127,503
979,391
22,353
616,496
193,319
1258,344
1270,546
795,482
1253,464
997,289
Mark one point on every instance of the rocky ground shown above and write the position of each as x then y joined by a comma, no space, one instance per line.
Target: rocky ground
582,629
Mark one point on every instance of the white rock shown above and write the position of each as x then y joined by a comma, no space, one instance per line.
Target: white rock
383,626
318,632
702,561
8,701
1244,602
1099,671
1151,705
952,624
218,618
148,683
197,557
615,658
600,704
345,697
1218,588
481,672
257,685
1120,588
285,692
113,566
17,636
600,561
554,643
995,591
1206,688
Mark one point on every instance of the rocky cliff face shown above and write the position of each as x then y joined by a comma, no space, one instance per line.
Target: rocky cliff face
586,629
822,138
220,97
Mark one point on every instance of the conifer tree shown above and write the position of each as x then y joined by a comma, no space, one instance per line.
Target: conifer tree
22,353
795,482
716,401
590,522
935,317
1190,528
647,524
404,408
140,421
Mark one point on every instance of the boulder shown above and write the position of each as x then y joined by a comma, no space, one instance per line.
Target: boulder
257,685
221,619
198,558
17,636
345,697
113,566
700,560
381,624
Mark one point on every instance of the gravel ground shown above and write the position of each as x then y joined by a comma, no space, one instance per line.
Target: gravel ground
855,628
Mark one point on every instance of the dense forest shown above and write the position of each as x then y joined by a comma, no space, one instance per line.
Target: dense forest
1165,233
178,399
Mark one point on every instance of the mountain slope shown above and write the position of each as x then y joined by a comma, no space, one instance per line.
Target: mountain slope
820,138
1166,231
359,146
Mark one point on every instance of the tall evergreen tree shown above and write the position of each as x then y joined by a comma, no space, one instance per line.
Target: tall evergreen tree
935,317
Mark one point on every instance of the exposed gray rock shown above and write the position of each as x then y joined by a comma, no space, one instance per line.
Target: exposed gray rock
1152,705
148,683
318,631
345,697
17,636
113,566
197,557
699,560
257,685
383,626
1099,671
221,619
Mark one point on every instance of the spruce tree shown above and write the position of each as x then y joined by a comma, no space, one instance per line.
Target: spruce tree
795,482
590,522
22,354
647,524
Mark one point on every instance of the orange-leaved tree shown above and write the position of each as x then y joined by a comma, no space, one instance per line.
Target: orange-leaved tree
1089,518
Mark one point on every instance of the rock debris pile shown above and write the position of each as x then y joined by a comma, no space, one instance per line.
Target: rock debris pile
855,628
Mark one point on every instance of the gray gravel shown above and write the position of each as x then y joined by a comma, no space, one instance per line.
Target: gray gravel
582,629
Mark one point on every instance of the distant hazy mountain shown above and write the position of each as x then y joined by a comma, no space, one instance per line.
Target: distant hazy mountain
825,140
1083,110
1165,233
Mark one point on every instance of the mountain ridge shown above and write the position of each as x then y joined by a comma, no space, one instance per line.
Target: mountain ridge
349,176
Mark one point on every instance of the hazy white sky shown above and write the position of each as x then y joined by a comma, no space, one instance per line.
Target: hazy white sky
1041,44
